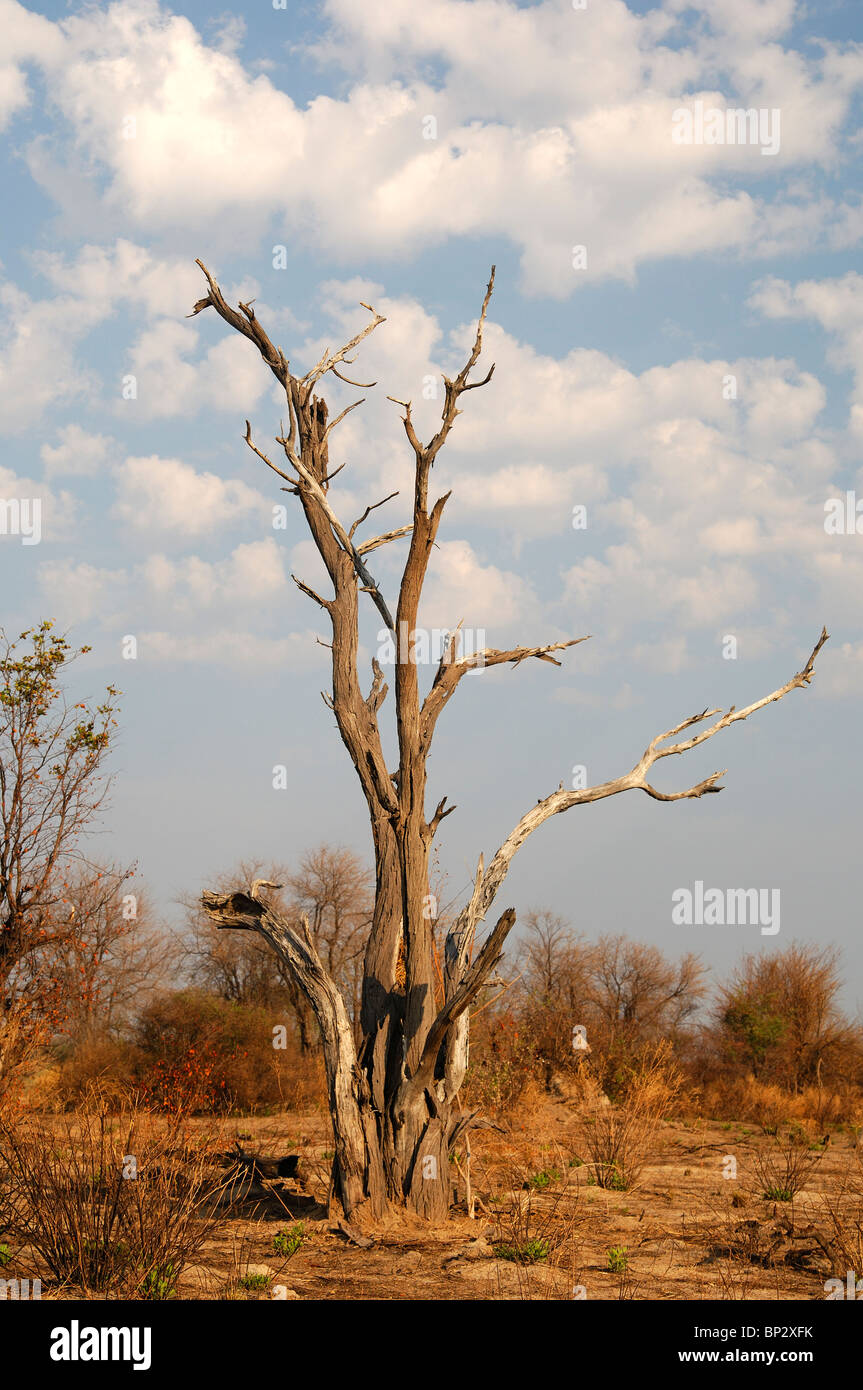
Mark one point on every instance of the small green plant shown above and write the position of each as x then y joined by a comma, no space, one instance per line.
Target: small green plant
5,1256
609,1176
575,1162
160,1284
287,1243
540,1181
783,1169
529,1252
618,1258
254,1281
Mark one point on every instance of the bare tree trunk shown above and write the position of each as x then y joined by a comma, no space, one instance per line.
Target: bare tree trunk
393,1100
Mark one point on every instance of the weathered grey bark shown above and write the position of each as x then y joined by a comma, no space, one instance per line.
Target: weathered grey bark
394,1100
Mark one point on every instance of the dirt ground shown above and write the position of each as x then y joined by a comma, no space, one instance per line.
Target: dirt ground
684,1232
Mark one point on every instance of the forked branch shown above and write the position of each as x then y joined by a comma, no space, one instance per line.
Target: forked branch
451,670
462,997
304,445
489,880
453,388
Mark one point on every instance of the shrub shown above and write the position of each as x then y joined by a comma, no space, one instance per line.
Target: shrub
620,1138
287,1243
844,1212
540,1181
99,1060
783,1169
19,1041
160,1284
201,1054
69,1191
503,1063
766,1103
528,1252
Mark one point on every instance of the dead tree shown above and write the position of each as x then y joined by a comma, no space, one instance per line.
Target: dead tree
393,1099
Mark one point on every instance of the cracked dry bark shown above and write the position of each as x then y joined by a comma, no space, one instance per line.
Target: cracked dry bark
394,1099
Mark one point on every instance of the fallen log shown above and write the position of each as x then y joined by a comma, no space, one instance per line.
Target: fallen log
261,1166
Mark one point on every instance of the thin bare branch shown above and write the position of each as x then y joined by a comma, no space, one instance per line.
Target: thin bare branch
245,323
323,602
454,389
450,672
367,546
347,410
635,780
734,716
363,385
369,584
413,437
262,456
439,815
370,508
335,473
328,361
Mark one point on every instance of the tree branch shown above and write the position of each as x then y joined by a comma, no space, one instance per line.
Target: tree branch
264,459
439,815
245,323
324,603
377,541
462,997
239,911
370,508
489,881
450,672
327,362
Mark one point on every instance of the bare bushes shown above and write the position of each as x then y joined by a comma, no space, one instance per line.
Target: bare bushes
620,1138
116,1203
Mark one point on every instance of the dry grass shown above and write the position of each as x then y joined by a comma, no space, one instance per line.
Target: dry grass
18,1045
783,1169
621,1138
747,1098
111,1203
844,1215
542,1228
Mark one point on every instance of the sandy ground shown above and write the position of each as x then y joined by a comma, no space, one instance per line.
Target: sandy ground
684,1232
691,1228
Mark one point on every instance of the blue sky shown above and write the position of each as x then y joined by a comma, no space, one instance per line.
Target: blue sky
139,137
